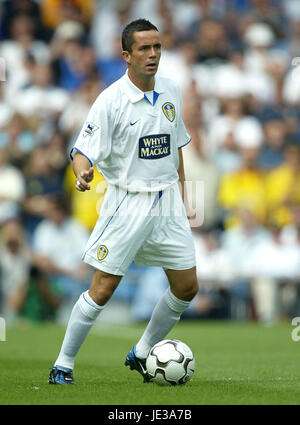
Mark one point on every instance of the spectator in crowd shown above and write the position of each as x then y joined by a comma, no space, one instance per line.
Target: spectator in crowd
19,51
275,131
21,140
86,208
215,272
237,79
239,241
74,61
212,43
111,67
245,187
73,116
6,111
269,12
202,175
41,100
291,43
259,38
68,36
283,186
54,12
187,16
220,138
271,266
55,151
180,56
291,10
107,24
58,242
40,182
290,236
141,288
12,8
290,232
14,269
12,190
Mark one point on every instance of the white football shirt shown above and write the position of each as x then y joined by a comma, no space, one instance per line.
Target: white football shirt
134,142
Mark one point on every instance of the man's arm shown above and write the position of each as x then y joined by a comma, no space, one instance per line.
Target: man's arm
83,171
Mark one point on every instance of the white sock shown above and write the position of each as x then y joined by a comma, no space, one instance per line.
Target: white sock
82,318
165,315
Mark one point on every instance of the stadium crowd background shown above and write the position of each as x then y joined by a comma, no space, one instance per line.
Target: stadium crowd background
237,64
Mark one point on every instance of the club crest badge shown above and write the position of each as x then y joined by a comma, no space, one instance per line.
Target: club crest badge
102,252
169,111
90,129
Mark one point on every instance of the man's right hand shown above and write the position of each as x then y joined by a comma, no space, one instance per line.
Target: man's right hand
83,179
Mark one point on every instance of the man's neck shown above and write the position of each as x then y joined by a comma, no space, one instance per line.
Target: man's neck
144,84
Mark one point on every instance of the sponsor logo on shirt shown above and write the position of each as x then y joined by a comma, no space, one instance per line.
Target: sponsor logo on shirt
169,110
154,146
89,129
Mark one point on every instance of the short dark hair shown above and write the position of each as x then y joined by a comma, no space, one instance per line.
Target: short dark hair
137,25
60,201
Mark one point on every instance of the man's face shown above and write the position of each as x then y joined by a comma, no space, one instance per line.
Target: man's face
144,57
55,214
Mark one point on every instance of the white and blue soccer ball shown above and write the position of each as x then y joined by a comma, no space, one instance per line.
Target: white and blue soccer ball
170,362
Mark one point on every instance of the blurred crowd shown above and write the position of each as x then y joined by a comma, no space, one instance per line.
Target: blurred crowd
237,65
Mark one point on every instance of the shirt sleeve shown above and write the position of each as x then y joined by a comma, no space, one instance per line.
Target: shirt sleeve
183,136
95,138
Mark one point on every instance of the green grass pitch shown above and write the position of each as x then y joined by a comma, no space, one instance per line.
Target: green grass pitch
236,363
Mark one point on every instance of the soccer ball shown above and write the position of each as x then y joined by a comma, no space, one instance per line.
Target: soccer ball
170,362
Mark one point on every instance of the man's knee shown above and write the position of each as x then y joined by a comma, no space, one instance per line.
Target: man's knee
190,289
183,283
103,286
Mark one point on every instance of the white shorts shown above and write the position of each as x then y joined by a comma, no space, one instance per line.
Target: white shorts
149,228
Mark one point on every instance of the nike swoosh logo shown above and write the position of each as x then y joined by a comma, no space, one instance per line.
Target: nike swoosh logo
132,123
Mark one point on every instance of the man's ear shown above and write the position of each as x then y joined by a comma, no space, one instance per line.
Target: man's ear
126,56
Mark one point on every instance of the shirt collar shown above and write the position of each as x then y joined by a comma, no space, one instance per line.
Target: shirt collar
134,93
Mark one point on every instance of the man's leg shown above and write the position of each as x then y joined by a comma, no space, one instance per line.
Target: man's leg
167,312
84,314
